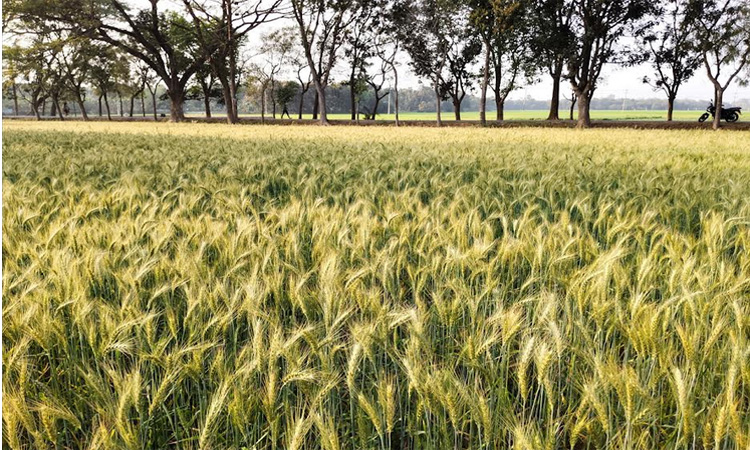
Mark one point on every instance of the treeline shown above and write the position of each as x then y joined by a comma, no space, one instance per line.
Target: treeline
411,100
111,56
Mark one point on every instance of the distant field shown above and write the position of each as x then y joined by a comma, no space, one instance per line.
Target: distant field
525,115
207,287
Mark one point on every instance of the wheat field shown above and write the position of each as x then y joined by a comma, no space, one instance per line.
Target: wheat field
195,286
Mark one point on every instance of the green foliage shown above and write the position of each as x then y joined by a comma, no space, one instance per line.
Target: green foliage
349,288
672,49
109,67
34,66
285,92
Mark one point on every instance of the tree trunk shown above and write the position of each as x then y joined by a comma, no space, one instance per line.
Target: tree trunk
53,108
273,99
352,96
301,103
176,101
56,103
15,99
143,102
122,110
206,98
316,106
438,106
81,105
584,112
573,101
35,110
457,108
232,70
718,103
376,105
485,84
321,102
322,106
100,105
554,105
132,104
207,106
500,106
226,90
395,90
153,103
263,105
670,107
106,104
499,102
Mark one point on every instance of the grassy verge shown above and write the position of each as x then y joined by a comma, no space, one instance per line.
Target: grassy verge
521,115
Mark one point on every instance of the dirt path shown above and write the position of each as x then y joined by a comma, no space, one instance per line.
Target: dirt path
634,124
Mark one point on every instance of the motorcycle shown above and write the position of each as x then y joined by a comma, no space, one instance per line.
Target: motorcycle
728,114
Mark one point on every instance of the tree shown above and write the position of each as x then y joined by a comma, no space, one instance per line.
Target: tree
108,66
286,93
204,88
723,40
124,85
305,81
376,81
506,33
387,50
151,81
359,46
512,59
551,42
255,94
134,86
464,48
294,59
262,78
671,50
142,73
160,38
55,85
422,27
221,27
77,56
10,88
573,100
322,25
29,65
598,26
277,50
359,89
482,18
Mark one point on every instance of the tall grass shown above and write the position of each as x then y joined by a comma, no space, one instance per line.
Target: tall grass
350,289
